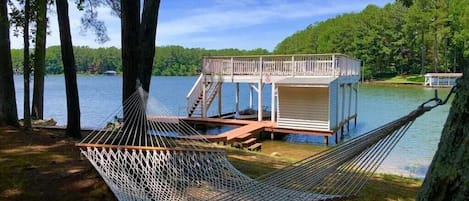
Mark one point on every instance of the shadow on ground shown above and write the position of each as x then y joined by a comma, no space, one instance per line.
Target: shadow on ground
44,165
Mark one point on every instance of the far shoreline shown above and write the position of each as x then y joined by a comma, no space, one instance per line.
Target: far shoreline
366,82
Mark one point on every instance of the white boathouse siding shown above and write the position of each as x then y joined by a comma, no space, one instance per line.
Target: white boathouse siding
334,103
303,108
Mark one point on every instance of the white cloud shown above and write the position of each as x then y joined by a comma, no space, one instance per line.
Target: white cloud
246,13
216,22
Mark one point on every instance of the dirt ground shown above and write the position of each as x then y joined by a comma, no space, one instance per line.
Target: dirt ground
45,165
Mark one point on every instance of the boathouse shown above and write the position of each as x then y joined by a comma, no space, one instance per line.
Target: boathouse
441,79
310,93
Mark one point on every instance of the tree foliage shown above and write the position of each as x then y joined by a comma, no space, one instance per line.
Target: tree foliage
391,40
169,60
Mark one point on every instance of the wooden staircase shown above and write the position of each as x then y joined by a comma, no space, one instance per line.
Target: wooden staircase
247,141
251,144
196,95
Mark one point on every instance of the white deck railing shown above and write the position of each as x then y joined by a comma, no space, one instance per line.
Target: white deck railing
283,65
194,93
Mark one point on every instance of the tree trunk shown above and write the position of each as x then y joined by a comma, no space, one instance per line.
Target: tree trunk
422,59
8,113
130,20
445,49
448,175
436,61
39,60
147,41
68,59
26,67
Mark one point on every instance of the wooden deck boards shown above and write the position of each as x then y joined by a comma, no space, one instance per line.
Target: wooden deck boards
232,122
253,127
249,126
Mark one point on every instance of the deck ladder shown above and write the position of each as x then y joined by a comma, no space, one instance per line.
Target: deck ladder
196,94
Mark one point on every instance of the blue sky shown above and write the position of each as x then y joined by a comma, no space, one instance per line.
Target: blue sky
217,24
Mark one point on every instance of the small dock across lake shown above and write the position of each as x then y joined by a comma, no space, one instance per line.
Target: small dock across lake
441,79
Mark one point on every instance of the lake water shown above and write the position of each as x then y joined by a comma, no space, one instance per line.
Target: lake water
100,96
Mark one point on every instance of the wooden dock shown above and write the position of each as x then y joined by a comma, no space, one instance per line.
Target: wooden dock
245,131
248,128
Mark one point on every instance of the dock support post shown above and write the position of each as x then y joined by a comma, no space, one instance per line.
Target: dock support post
204,103
237,101
343,120
259,101
251,96
326,140
272,137
337,138
219,101
349,105
272,105
356,103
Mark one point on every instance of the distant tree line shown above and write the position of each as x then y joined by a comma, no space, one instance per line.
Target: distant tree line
402,37
169,60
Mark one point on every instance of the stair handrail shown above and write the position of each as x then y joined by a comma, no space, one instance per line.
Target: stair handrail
194,92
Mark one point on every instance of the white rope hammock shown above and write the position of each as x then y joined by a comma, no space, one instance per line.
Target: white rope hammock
147,154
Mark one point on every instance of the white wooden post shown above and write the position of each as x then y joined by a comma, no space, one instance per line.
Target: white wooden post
343,103
356,102
260,68
204,92
259,101
272,104
232,68
349,105
293,66
251,96
259,91
337,106
237,101
333,65
219,101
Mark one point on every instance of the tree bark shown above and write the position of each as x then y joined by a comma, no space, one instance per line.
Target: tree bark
26,67
130,20
147,41
448,175
436,60
422,54
39,60
68,59
138,49
8,113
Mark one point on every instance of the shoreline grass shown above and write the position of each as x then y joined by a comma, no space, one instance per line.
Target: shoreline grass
402,79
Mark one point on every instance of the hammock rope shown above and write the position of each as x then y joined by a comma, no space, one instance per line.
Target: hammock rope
147,154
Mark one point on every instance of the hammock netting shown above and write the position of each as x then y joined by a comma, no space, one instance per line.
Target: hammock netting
144,153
